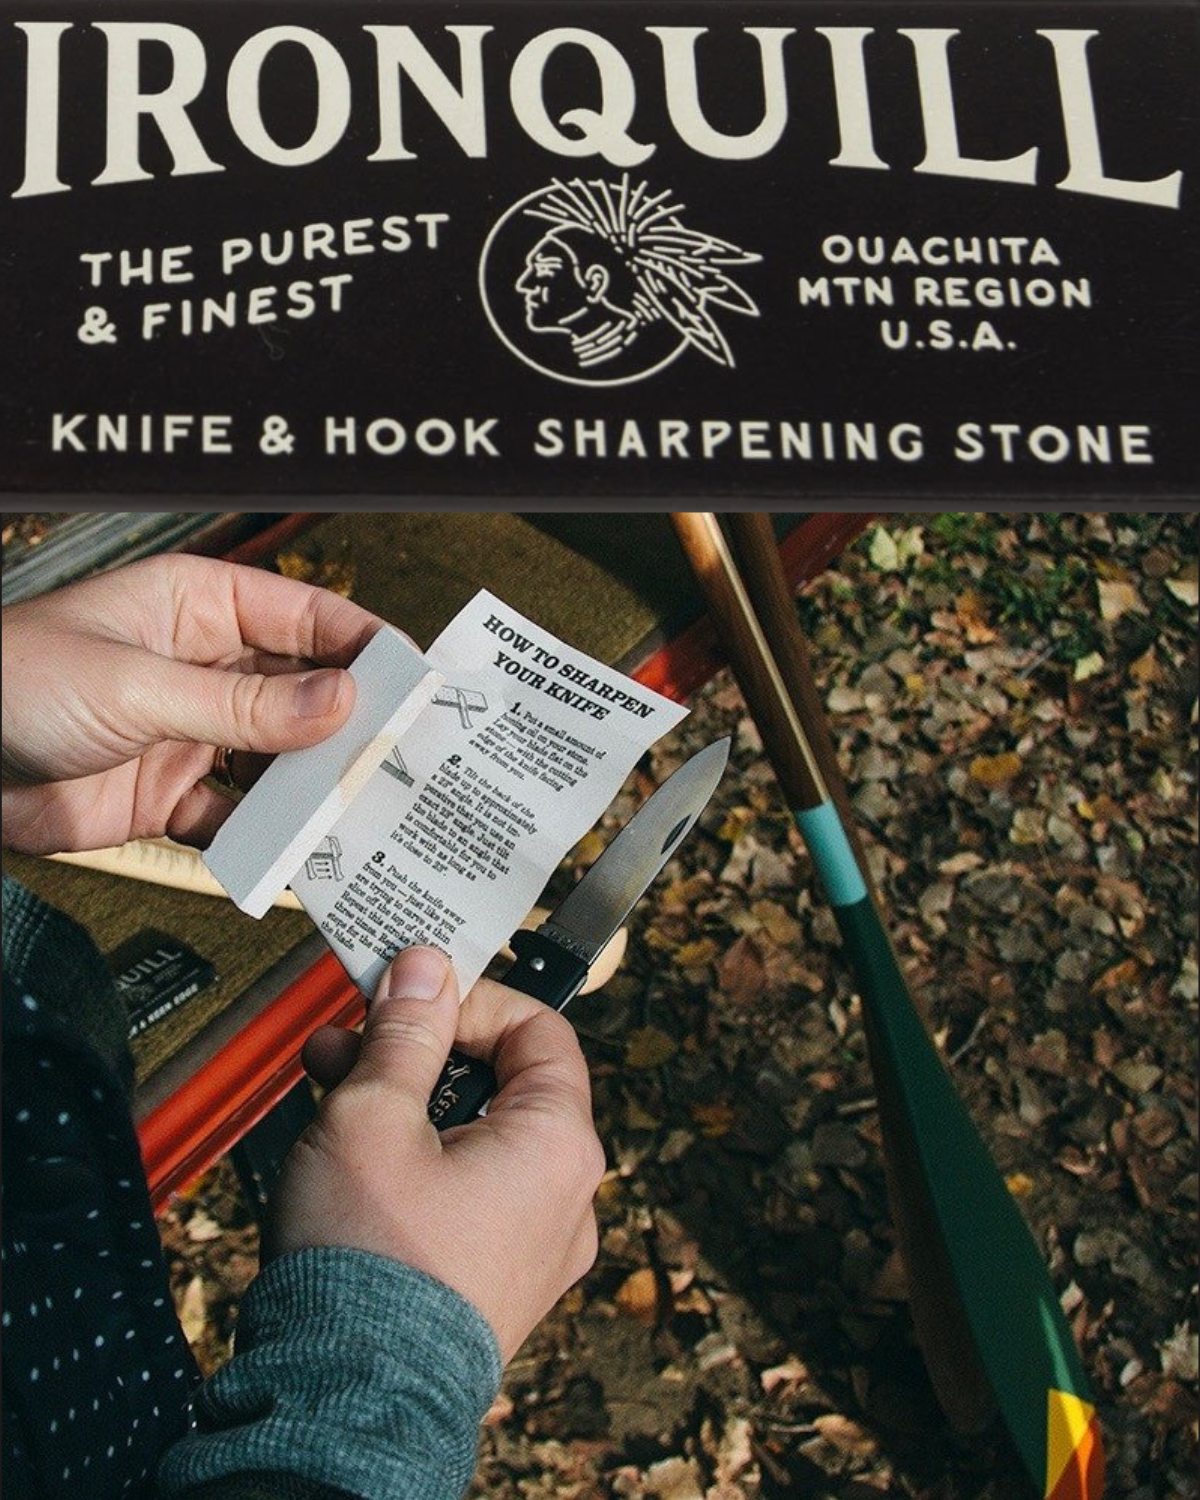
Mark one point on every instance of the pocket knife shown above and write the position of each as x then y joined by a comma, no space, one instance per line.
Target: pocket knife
552,961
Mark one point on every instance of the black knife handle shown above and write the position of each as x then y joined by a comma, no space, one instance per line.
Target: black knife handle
544,969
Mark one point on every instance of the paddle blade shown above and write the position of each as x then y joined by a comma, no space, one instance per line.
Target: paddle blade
1023,1340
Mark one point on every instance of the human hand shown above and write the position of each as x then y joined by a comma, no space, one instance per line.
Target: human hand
500,1209
118,692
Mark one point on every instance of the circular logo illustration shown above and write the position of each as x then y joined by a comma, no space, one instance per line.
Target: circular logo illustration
603,283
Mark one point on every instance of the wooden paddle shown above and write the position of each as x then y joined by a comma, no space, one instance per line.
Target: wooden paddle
986,1314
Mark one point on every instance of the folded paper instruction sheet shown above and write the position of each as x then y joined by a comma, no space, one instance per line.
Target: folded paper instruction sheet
445,830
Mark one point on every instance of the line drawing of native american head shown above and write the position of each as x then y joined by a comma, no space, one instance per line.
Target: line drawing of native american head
616,259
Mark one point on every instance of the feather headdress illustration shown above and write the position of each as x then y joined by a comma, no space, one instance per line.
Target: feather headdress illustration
617,258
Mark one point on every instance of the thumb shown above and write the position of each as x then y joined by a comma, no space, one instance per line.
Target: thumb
410,1026
248,710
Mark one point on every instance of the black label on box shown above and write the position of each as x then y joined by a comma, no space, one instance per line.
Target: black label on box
523,250
155,974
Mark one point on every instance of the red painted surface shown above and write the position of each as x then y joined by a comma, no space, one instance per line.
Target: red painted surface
252,1072
267,543
202,1120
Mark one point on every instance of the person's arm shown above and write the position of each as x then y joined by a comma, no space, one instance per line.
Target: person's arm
404,1267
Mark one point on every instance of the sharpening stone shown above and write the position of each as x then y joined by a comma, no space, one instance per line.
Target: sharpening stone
302,793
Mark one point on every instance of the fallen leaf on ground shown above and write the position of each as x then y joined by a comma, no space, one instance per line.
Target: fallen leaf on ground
741,972
589,848
500,1410
674,1479
1146,669
1137,1075
696,955
1118,598
714,1120
777,922
972,616
792,1372
201,1228
192,1310
640,1296
849,1436
647,1047
330,574
1116,977
1180,1354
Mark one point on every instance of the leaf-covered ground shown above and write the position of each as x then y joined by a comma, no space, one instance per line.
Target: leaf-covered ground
1015,703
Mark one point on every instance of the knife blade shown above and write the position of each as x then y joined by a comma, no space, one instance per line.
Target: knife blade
553,960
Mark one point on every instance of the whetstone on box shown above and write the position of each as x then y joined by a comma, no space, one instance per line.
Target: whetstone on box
302,793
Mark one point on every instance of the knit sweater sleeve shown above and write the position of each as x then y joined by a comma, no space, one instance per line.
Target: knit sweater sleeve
354,1377
352,1374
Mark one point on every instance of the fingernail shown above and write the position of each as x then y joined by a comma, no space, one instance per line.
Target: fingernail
317,693
417,974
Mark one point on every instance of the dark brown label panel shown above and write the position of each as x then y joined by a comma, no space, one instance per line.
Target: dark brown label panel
522,251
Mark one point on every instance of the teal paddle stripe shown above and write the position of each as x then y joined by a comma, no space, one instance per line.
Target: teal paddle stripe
831,852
